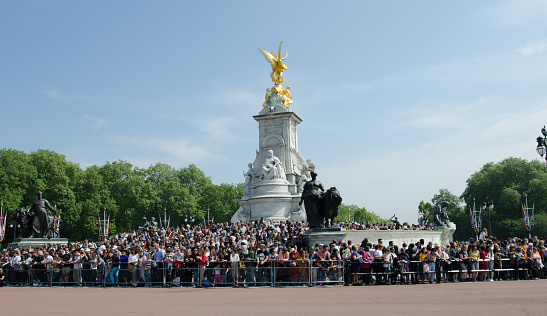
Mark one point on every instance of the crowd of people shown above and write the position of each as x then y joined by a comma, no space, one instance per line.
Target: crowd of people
486,259
264,253
353,225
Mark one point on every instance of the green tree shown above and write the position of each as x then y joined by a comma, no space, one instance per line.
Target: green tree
359,214
16,176
506,183
457,214
427,208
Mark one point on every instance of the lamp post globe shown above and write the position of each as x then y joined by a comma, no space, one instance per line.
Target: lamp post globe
541,147
542,144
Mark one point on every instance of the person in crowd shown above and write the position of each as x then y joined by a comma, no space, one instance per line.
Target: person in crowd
413,257
424,257
355,266
250,266
474,255
234,266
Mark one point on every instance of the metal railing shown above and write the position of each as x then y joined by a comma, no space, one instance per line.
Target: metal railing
292,273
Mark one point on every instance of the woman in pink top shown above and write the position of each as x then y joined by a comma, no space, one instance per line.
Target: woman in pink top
366,266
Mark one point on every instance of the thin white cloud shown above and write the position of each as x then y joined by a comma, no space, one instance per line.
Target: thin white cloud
96,121
514,13
532,48
395,180
234,98
218,128
182,149
54,94
436,113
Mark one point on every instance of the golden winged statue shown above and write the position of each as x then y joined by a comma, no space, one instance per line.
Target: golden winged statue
277,64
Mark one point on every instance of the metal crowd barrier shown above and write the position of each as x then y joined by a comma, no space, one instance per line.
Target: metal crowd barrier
511,268
222,274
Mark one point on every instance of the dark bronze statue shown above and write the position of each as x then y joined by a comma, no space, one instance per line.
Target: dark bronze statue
145,225
40,220
320,205
328,206
440,214
312,194
395,221
38,224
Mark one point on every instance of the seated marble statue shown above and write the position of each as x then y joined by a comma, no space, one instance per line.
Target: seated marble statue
272,168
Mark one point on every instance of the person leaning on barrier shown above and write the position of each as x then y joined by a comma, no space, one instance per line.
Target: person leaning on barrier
202,263
157,264
132,264
250,266
378,264
404,266
56,262
2,278
262,266
281,264
336,265
414,265
355,264
39,267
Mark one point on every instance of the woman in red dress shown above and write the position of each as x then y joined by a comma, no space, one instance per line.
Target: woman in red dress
483,262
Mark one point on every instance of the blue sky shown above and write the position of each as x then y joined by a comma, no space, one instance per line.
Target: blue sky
398,98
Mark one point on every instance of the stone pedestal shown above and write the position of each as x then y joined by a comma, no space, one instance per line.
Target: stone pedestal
442,235
276,198
324,236
447,231
23,243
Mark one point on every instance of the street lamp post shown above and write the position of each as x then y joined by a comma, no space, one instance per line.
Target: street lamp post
542,144
14,229
189,219
487,205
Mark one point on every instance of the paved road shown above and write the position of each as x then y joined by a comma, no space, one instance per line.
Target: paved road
492,298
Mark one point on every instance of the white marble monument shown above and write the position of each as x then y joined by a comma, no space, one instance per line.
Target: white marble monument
273,184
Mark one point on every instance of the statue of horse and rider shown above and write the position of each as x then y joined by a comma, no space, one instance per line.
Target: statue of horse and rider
321,206
35,222
440,214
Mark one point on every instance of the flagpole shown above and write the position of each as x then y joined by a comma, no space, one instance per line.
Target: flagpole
1,221
104,223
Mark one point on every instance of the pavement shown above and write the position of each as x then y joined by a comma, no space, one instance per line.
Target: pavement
481,298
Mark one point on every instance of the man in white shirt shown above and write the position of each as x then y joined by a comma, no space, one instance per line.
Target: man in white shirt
47,260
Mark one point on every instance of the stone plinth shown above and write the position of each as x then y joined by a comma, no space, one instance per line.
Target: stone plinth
23,243
324,235
441,236
274,198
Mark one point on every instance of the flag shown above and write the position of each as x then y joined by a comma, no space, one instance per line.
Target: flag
100,231
473,219
107,228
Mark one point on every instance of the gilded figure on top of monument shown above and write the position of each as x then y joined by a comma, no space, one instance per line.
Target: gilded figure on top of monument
278,67
277,64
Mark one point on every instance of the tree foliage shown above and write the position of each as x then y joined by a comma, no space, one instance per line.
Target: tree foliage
456,212
125,192
507,184
357,214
